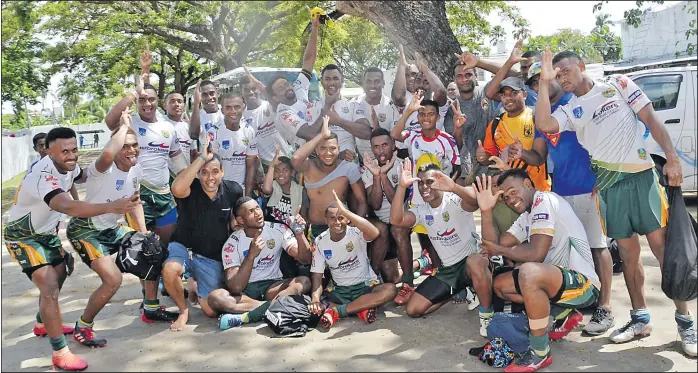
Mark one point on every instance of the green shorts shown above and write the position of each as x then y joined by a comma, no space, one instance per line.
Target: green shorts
32,251
347,294
504,217
636,204
576,291
156,206
454,276
258,290
91,243
315,230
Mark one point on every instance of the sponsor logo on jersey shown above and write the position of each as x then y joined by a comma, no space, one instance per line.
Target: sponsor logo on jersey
161,145
605,110
141,131
539,199
429,219
249,121
245,141
225,144
119,184
345,110
241,154
267,125
327,253
360,111
634,97
446,233
185,142
208,126
578,112
227,260
350,247
349,264
609,92
642,153
271,244
528,130
165,134
446,216
228,248
301,114
265,262
540,216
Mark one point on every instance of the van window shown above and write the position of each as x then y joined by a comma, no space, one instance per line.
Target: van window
662,90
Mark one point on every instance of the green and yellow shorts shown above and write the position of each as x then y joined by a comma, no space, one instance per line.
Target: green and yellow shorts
576,291
91,243
258,290
32,251
159,209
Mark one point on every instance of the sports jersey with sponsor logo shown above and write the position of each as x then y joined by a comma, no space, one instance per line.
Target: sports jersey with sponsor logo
450,228
266,265
608,128
210,122
233,147
110,186
387,117
346,110
156,140
42,183
268,136
440,149
289,119
394,176
185,142
552,216
347,259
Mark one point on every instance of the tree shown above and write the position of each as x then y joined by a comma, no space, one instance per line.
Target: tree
607,43
521,31
69,92
497,35
567,39
24,79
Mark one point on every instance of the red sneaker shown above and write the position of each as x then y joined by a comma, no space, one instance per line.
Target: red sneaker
567,325
529,362
368,316
68,361
41,331
329,318
428,271
404,294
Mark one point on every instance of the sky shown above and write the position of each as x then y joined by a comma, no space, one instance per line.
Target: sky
543,16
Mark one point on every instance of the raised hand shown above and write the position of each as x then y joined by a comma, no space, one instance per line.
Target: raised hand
374,118
483,191
406,178
252,79
403,59
420,63
481,154
140,88
257,245
340,205
416,102
458,117
206,151
442,182
547,72
515,150
296,222
146,58
275,162
498,163
517,52
325,131
468,59
371,165
388,166
197,94
125,119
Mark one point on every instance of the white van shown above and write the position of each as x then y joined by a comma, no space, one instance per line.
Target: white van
672,91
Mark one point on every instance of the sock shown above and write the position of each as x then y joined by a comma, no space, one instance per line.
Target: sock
342,310
642,315
256,314
485,312
559,313
408,278
151,305
683,321
58,343
38,318
85,325
423,262
539,345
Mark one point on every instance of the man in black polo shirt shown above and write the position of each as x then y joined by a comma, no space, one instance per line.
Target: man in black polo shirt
204,224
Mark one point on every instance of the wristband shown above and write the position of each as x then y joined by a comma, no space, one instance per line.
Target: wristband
202,158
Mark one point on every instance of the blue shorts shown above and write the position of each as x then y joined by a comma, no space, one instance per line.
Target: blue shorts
207,272
169,218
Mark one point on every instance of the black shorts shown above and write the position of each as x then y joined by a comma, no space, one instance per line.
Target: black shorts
445,283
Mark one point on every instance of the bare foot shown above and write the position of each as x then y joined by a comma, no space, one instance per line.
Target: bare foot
178,325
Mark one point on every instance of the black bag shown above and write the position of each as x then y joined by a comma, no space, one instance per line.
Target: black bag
141,255
288,316
680,269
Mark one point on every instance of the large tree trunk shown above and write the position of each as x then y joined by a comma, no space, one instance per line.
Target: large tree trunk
420,26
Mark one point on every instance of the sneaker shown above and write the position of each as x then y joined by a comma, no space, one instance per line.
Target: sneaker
529,362
403,294
86,337
41,331
631,330
68,361
601,322
160,314
563,327
484,323
472,299
329,318
428,271
368,316
688,340
229,320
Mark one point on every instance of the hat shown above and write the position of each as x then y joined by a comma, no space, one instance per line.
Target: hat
534,70
513,83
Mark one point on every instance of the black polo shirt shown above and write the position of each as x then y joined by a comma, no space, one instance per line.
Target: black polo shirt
204,223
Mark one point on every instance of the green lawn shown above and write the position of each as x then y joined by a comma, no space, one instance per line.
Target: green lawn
8,190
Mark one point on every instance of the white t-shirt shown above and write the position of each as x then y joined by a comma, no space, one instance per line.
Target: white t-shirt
394,176
387,117
268,136
346,259
608,128
289,119
157,141
43,179
412,123
450,228
233,147
266,265
110,186
185,143
346,110
442,146
552,216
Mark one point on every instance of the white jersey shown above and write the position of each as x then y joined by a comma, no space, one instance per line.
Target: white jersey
289,119
552,216
347,259
157,141
39,185
210,122
185,142
394,176
450,228
233,147
412,123
110,186
346,110
608,128
268,136
266,265
387,117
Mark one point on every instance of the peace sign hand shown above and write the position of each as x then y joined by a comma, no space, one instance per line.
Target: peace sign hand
458,117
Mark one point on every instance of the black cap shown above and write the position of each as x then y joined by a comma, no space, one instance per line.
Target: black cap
513,83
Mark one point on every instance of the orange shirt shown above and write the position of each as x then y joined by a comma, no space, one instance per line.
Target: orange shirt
505,134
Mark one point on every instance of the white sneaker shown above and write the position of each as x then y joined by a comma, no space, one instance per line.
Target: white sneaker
484,323
688,340
472,299
631,330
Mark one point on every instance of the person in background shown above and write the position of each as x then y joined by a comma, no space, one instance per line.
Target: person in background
452,92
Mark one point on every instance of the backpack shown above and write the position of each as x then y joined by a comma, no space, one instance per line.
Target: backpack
680,269
141,255
288,316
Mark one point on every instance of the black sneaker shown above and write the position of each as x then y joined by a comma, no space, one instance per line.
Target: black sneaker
160,314
86,337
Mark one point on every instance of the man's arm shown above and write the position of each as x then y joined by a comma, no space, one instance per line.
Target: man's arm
181,187
366,227
489,231
505,71
435,84
375,194
139,216
398,216
113,116
301,249
387,187
300,159
195,120
311,49
114,144
74,193
316,287
533,251
62,202
400,84
359,192
545,122
415,105
361,128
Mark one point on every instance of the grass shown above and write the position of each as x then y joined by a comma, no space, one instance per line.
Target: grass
9,188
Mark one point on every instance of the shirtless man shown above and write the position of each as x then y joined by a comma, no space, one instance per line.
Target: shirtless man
325,173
